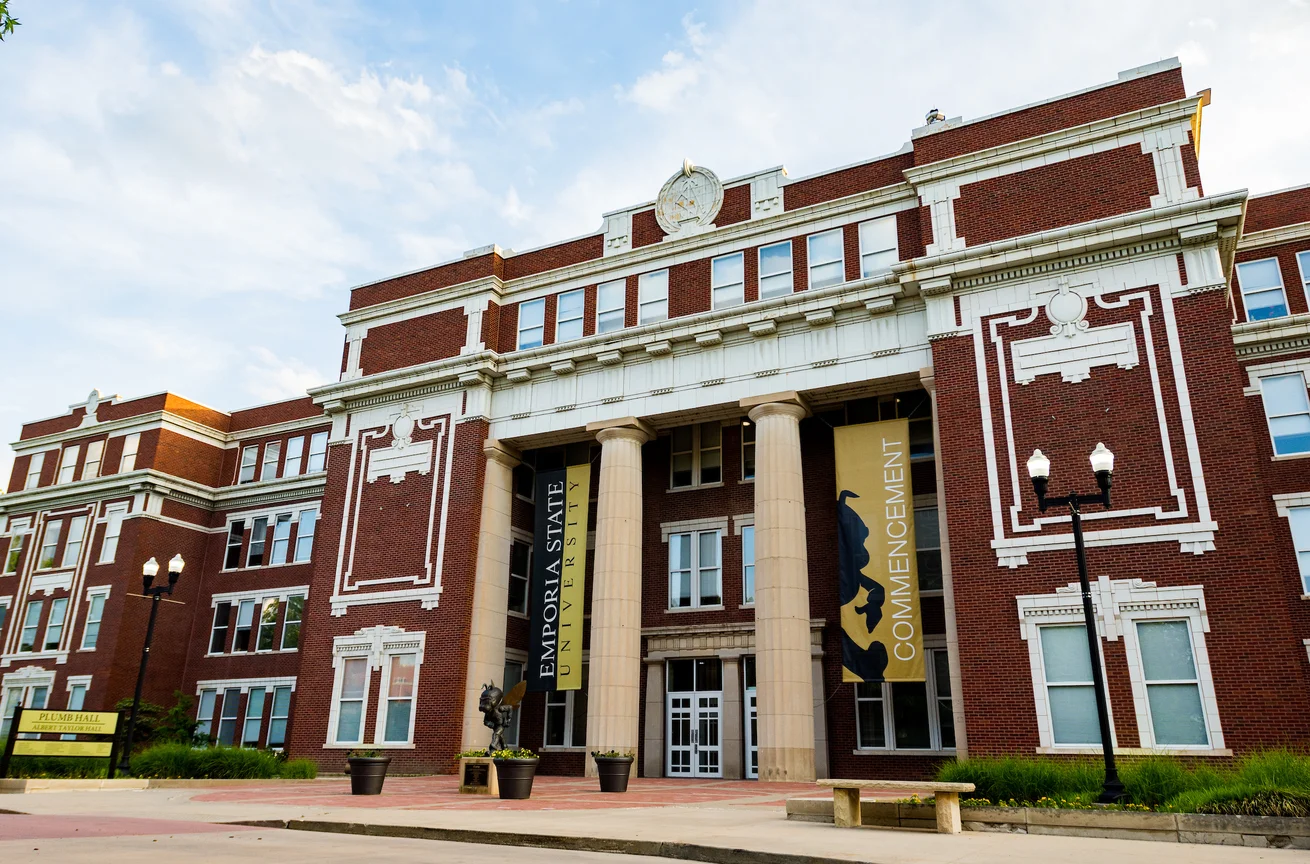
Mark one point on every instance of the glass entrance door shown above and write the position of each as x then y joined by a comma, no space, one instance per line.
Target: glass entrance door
752,727
695,718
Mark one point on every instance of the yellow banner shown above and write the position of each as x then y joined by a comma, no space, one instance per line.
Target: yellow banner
63,748
577,501
69,722
882,632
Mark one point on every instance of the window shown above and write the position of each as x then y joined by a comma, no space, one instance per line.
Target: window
1262,289
568,316
245,620
95,611
127,462
272,454
281,539
227,720
53,529
15,552
1303,262
258,536
267,625
317,452
1288,412
611,300
827,261
728,281
295,450
1299,519
54,627
697,455
28,695
532,323
513,675
398,725
67,465
76,699
277,719
1070,693
205,713
653,297
566,716
95,452
254,718
520,563
350,702
4,614
73,548
305,534
877,246
748,564
113,528
218,635
694,560
775,270
1173,690
747,450
928,546
31,624
236,533
291,624
908,715
249,459
34,466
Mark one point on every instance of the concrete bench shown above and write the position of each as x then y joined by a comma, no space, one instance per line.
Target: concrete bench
846,800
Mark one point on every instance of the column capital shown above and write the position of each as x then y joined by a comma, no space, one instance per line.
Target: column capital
632,428
788,402
928,378
498,451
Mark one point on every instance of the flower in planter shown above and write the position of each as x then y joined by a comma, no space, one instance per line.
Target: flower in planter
614,754
514,753
478,753
364,754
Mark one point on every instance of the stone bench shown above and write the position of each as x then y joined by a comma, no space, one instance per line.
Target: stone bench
846,800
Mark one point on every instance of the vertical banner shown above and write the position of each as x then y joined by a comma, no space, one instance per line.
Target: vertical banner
559,560
882,633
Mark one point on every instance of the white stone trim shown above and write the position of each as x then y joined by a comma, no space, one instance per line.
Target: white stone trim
1257,371
245,685
29,676
1274,236
77,680
686,526
740,522
376,645
282,594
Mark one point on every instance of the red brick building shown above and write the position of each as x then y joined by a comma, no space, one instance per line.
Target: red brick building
358,561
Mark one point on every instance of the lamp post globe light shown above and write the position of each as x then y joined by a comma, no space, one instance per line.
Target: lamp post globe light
149,571
1039,470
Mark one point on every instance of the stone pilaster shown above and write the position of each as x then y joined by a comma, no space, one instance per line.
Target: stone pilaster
653,752
730,726
783,675
614,679
486,659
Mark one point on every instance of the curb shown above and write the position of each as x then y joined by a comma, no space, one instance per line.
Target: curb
652,848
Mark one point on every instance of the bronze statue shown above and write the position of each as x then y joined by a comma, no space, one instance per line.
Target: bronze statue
497,709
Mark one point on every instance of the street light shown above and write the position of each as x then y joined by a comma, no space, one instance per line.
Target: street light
149,571
1039,469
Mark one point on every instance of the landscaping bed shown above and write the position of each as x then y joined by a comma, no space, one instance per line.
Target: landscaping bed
173,761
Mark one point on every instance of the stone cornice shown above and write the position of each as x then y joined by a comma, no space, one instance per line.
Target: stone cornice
1272,337
137,423
1274,236
155,482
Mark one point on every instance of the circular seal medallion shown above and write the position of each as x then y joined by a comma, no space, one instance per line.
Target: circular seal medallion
689,200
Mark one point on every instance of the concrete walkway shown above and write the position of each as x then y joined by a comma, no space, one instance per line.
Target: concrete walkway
716,817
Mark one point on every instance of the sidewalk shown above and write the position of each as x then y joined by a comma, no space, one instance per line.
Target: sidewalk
714,817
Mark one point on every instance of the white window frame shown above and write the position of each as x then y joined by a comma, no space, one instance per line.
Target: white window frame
1270,416
372,644
747,568
76,686
524,540
46,543
253,603
304,537
214,628
272,449
217,688
19,531
67,464
95,455
552,700
1295,507
259,541
287,619
317,453
205,719
131,445
385,699
653,296
1144,701
274,717
1282,289
717,284
101,593
866,252
75,540
747,424
697,455
811,264
295,456
560,320
6,607
34,468
539,327
921,506
1303,264
229,546
248,464
694,531
62,604
282,521
242,738
763,276
33,625
113,522
934,696
26,681
262,626
605,313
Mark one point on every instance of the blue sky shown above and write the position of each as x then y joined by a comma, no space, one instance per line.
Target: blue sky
188,189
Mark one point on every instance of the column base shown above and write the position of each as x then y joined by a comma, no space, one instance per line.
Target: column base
787,764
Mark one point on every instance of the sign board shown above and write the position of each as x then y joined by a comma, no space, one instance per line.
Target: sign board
69,722
559,563
33,723
95,749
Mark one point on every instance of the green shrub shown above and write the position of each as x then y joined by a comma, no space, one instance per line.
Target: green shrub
1274,769
181,761
299,769
56,767
1156,779
1024,779
1243,800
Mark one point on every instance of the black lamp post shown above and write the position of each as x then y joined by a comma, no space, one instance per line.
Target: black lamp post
149,571
1039,469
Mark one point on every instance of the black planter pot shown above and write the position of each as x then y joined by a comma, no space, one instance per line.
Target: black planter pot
614,772
367,774
515,777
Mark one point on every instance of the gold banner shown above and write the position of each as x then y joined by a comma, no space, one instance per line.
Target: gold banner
63,748
70,722
577,502
882,632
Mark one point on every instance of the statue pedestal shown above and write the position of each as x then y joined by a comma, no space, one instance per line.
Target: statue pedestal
477,776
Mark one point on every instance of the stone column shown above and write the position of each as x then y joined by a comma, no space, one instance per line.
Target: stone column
653,752
730,729
820,718
783,677
486,660
614,683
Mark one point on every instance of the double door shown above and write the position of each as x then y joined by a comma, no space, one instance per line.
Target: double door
695,718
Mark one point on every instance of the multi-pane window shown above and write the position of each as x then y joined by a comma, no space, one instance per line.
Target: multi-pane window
236,533
695,572
254,718
76,699
827,259
1070,694
350,701
245,621
1288,411
15,552
227,720
1173,689
4,614
910,715
402,673
728,281
775,270
653,297
127,462
272,454
281,539
205,713
747,450
928,548
34,466
568,316
748,564
49,544
305,534
113,529
1262,289
67,465
878,250
218,635
249,461
76,534
291,623
267,625
317,452
566,716
696,457
31,625
532,323
1303,262
1299,519
611,300
258,537
295,452
95,452
54,627
520,558
95,611
277,718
